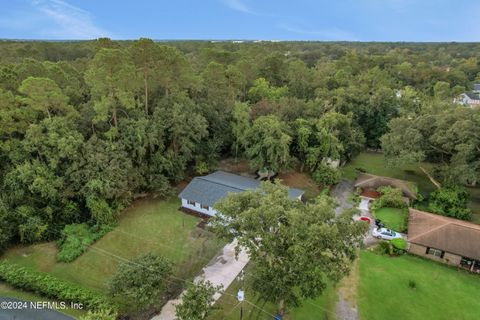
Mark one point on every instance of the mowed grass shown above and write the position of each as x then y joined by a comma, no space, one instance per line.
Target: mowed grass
375,163
149,225
393,218
321,308
441,292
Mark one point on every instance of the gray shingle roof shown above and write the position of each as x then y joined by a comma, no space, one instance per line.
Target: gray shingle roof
472,95
476,87
208,190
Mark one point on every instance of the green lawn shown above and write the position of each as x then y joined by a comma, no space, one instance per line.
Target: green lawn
441,292
322,308
393,218
149,225
374,163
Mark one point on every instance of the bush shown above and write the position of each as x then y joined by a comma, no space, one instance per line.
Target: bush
326,175
51,287
99,315
399,244
76,238
141,282
394,247
412,284
391,197
451,201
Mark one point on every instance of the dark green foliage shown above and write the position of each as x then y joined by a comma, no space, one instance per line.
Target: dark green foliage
84,126
451,202
325,175
412,284
197,301
76,238
141,282
391,197
393,247
51,287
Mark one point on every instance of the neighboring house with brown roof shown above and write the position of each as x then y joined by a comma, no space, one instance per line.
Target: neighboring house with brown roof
444,239
370,183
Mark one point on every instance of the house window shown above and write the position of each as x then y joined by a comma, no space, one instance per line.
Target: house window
204,206
435,252
190,202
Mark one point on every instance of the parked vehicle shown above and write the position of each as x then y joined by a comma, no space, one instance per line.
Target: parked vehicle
366,219
385,234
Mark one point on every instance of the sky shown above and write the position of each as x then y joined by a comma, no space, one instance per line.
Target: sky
334,20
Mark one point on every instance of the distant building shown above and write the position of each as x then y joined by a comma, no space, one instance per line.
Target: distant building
471,98
452,241
202,193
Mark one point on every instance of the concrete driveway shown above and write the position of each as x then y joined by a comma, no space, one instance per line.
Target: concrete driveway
29,313
221,271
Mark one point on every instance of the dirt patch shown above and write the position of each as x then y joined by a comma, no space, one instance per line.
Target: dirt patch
300,180
240,167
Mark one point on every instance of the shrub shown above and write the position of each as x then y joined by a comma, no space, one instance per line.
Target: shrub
399,244
391,197
76,238
141,282
51,287
100,315
326,175
451,201
412,284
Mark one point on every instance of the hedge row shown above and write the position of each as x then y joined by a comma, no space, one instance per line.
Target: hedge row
51,287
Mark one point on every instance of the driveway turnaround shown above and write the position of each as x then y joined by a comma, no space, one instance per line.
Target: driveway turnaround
221,271
12,310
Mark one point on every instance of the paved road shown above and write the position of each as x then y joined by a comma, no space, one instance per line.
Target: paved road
29,313
222,271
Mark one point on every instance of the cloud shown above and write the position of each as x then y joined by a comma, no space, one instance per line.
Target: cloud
238,5
322,34
67,21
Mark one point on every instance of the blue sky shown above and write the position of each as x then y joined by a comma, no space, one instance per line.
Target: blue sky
359,20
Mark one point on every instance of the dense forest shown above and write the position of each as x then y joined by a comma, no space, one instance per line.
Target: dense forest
87,125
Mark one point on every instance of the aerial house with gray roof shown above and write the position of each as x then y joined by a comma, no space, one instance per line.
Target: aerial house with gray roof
202,193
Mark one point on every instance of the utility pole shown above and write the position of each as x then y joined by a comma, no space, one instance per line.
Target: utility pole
241,293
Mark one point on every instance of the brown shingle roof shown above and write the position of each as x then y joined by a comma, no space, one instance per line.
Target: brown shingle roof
444,233
367,180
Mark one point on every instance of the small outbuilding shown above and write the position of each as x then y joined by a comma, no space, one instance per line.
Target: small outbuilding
455,242
202,193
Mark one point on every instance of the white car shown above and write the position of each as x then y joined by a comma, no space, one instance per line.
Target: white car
385,234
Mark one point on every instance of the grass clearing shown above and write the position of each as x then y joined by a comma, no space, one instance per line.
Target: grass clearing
393,218
441,292
149,225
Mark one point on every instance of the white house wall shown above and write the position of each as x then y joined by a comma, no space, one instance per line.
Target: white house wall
197,207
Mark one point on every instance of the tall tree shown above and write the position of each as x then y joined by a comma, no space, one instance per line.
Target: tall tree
111,77
268,143
295,248
146,56
44,95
